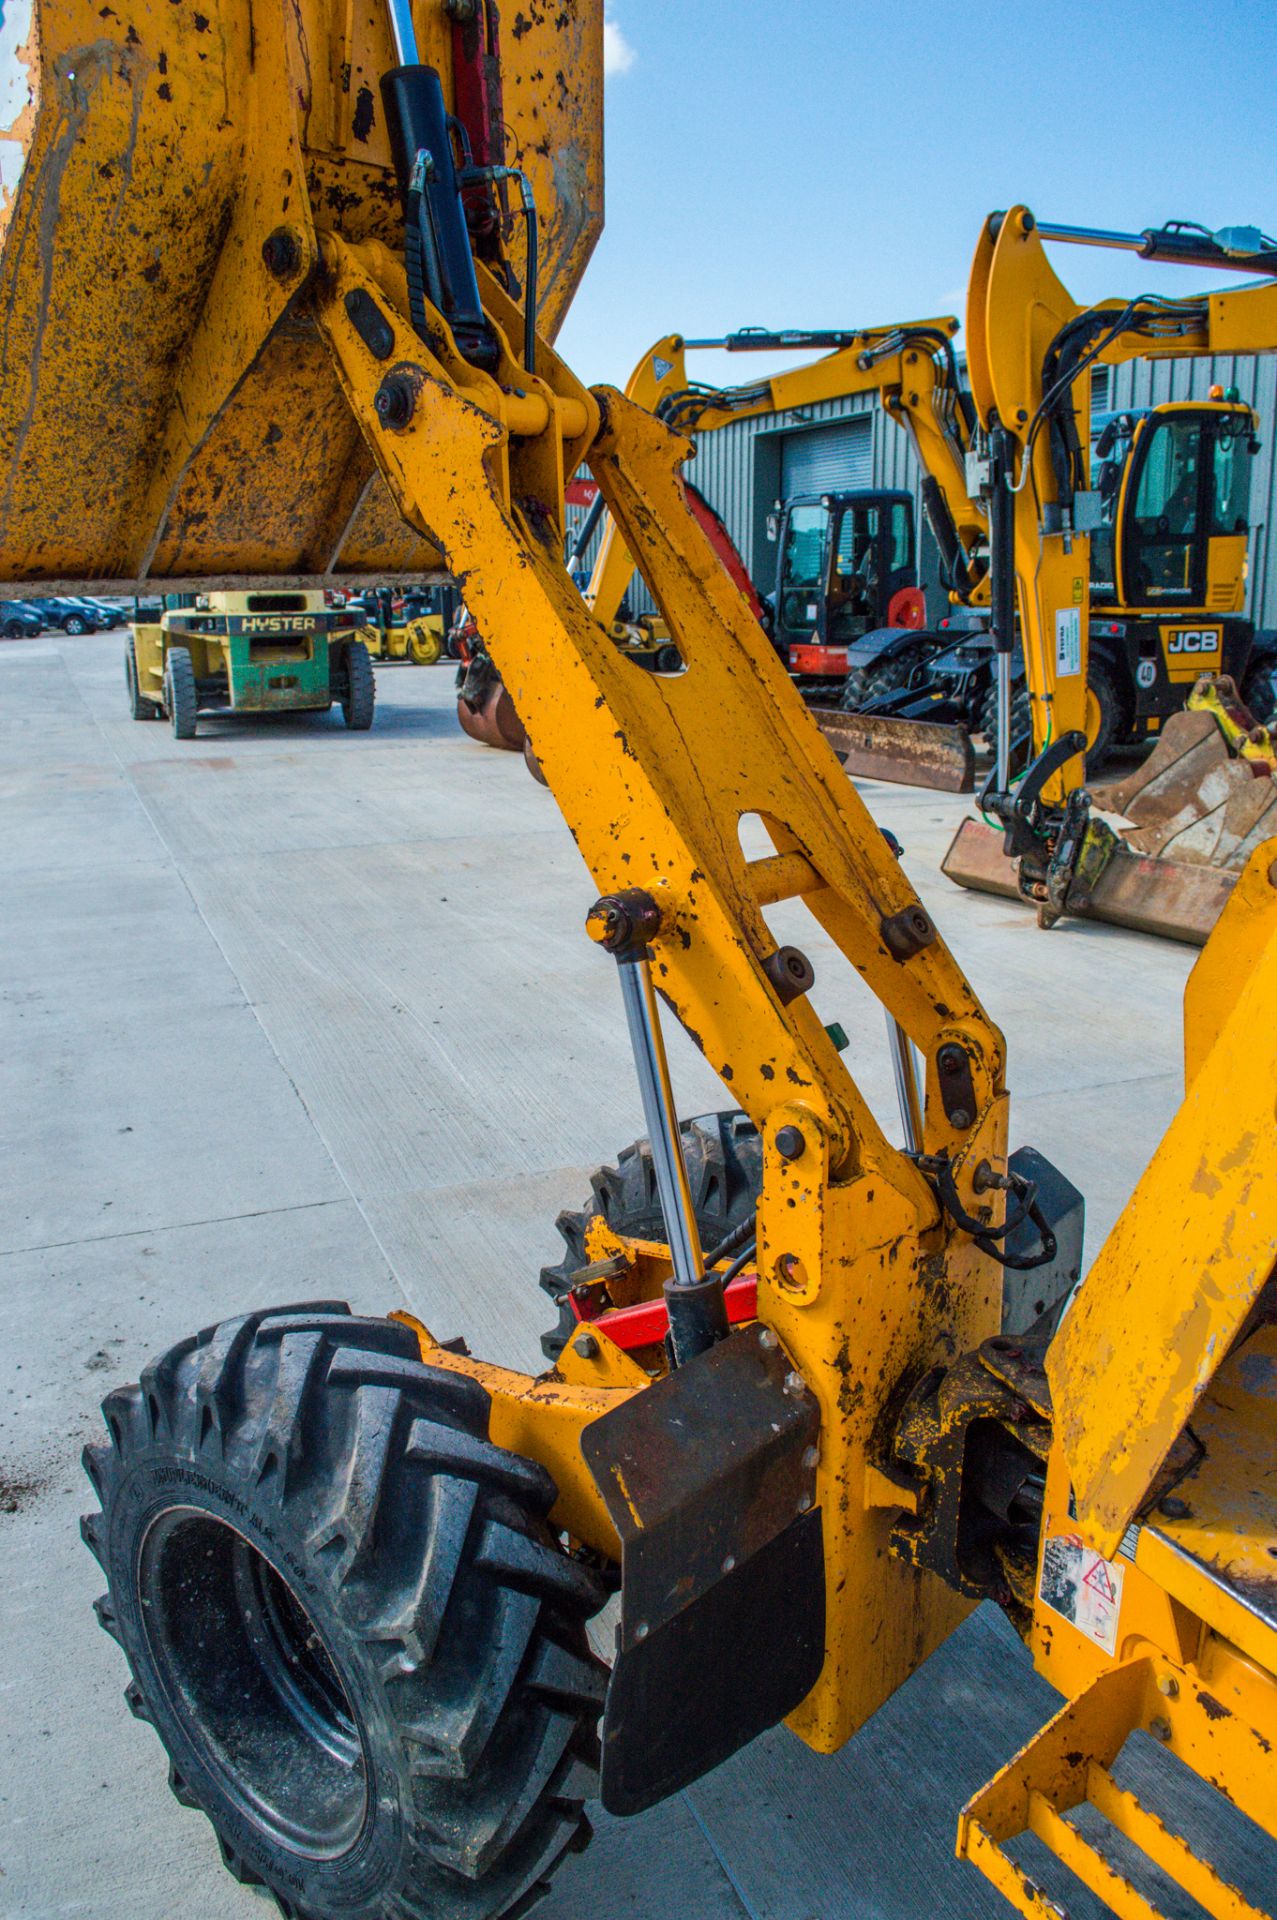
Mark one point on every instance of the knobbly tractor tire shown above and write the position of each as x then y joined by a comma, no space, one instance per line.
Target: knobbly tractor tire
724,1156
1021,724
139,707
884,676
347,1619
359,697
181,699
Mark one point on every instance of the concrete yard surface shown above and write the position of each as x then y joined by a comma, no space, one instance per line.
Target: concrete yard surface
292,1012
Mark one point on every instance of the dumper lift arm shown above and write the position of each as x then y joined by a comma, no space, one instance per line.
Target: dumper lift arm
875,1282
328,393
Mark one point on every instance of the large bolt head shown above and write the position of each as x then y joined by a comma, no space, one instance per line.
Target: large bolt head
395,402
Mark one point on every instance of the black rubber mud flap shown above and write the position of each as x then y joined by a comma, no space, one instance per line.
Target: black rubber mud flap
710,1478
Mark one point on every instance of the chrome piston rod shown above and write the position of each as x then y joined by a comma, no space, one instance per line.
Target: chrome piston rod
904,1066
403,32
642,1015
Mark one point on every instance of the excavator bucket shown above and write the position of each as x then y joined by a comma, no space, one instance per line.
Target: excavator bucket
911,753
170,411
1192,800
1186,823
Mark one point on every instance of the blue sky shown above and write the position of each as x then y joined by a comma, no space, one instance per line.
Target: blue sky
829,163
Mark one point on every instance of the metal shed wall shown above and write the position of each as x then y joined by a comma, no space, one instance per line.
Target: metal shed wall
738,468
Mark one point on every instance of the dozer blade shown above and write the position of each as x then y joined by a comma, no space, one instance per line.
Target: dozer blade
1166,897
913,753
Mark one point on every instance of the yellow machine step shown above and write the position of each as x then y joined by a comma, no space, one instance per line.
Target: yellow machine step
1211,1548
1069,1765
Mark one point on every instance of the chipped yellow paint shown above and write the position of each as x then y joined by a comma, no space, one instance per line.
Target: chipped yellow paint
653,774
1213,1720
144,335
1246,929
1181,1269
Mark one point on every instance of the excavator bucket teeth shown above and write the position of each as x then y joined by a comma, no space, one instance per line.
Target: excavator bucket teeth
1170,898
1193,801
913,753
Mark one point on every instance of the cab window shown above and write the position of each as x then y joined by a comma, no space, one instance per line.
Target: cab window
900,528
805,570
1230,489
858,546
805,548
1165,524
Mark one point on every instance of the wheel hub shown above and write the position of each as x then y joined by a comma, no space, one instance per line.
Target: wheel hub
255,1688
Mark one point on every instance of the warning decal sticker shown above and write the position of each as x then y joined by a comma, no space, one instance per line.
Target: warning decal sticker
1082,1586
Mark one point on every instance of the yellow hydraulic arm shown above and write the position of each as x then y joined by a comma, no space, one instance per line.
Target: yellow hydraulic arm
315,359
1030,349
911,367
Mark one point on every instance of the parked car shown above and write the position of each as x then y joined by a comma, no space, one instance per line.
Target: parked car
68,616
18,621
108,614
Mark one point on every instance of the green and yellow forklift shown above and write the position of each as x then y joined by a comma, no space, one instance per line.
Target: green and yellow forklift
249,652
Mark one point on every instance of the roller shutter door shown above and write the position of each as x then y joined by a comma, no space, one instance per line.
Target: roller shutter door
828,459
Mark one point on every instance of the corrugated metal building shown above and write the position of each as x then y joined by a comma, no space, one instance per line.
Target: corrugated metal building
744,468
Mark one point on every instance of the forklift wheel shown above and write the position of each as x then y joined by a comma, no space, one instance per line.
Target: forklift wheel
724,1157
347,1619
360,697
140,708
180,696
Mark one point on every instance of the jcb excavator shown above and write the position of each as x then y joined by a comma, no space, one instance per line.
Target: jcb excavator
1172,549
350,1568
862,604
1140,668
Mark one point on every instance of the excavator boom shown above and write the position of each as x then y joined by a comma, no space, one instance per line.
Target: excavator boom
1201,807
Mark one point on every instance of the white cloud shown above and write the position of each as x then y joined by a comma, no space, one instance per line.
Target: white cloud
618,55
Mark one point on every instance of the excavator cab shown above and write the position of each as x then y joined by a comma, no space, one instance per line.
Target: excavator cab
1183,511
846,564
